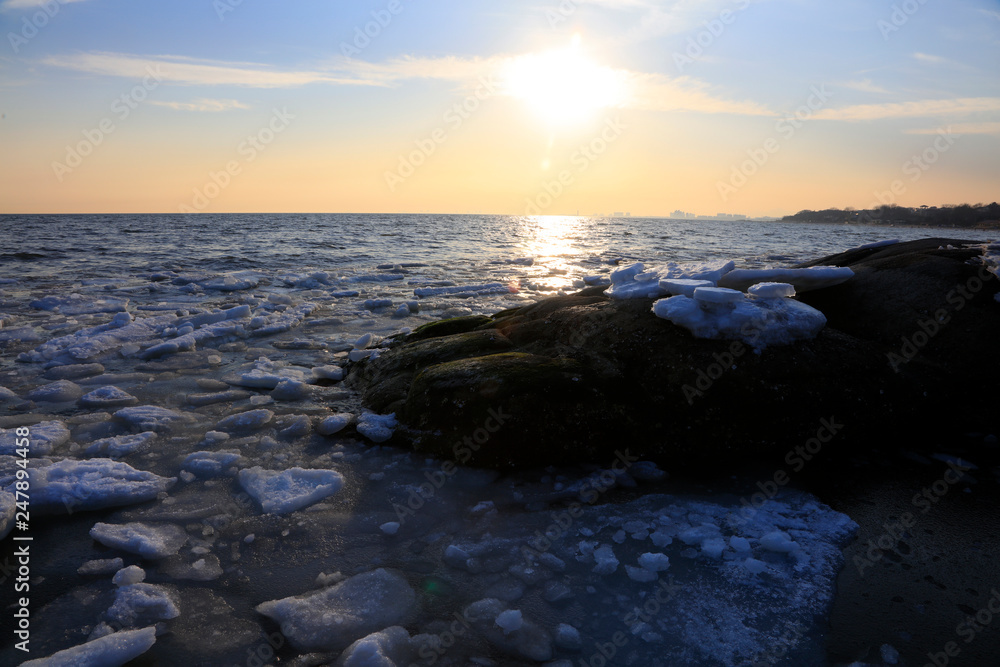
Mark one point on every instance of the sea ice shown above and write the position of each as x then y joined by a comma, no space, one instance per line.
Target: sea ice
463,290
637,282
391,647
727,314
606,562
78,304
333,618
778,542
60,391
101,567
152,418
142,604
121,445
291,390
568,637
126,576
804,280
333,373
289,490
75,486
151,541
111,650
252,420
44,437
772,290
509,620
73,371
683,286
654,562
377,428
335,423
107,397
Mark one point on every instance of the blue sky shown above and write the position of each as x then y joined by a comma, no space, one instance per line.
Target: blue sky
896,81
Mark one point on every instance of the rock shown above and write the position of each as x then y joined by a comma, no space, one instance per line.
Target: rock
572,378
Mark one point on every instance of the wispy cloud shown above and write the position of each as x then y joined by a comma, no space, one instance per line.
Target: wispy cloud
202,104
865,86
962,128
32,4
915,109
655,92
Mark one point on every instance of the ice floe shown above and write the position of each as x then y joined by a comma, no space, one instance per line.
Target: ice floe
60,391
110,650
281,492
377,428
210,464
152,418
333,618
151,541
107,397
74,486
121,445
44,438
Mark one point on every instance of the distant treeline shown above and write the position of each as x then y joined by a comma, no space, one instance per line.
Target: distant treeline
965,215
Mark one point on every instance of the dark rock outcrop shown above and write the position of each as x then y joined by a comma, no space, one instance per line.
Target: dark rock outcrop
579,378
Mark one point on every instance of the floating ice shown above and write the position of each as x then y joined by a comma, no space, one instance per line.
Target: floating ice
101,567
804,280
510,620
266,374
231,282
640,574
45,437
210,464
335,617
78,304
60,391
142,604
654,562
289,490
335,423
111,650
779,542
126,576
151,541
606,562
529,640
121,445
333,373
152,418
252,420
107,397
463,290
376,304
75,486
727,314
391,647
73,371
291,390
377,428
568,637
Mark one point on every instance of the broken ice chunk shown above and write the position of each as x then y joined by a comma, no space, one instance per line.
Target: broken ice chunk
289,490
147,540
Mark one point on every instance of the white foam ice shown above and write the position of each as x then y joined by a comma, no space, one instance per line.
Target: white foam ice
333,618
151,541
73,486
281,492
111,650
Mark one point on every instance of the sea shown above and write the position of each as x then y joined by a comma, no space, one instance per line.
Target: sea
385,553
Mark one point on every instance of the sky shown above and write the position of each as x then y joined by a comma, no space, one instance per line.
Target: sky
521,107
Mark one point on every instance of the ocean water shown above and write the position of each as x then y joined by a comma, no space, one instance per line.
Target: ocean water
296,292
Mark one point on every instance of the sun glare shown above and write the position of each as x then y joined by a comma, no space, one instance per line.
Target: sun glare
564,86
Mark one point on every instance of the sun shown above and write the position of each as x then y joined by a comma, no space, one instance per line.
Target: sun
564,86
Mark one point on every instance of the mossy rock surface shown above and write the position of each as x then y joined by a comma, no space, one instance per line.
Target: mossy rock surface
579,378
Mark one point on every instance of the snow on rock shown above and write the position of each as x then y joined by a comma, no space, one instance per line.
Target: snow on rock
45,437
289,490
76,486
463,290
636,282
78,304
152,418
772,290
107,397
60,391
111,650
8,508
722,313
377,428
210,464
333,618
151,541
142,604
121,445
527,640
391,647
804,280
335,423
253,420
